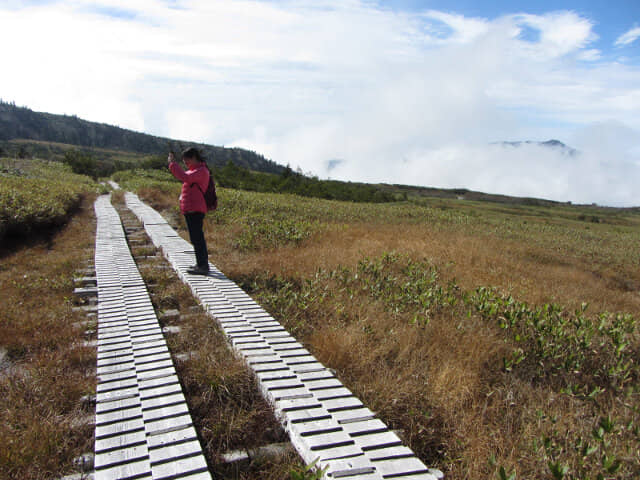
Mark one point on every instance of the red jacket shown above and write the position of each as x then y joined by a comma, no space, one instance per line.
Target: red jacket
194,183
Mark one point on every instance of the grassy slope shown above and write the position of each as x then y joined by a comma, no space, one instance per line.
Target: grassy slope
38,194
471,336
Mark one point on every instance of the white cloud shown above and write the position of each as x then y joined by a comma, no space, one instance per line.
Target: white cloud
461,29
591,55
408,98
561,33
628,38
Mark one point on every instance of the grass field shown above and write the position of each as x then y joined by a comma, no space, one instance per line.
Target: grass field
499,339
37,194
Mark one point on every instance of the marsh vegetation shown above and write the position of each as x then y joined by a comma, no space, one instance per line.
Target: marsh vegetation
501,340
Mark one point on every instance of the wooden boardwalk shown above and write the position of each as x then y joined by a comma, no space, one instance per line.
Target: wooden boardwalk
143,426
324,419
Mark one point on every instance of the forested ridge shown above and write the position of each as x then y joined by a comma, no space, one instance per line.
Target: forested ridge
23,123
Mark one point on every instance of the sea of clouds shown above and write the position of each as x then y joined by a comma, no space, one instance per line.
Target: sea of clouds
347,89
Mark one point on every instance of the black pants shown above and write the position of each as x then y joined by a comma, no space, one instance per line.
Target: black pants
194,224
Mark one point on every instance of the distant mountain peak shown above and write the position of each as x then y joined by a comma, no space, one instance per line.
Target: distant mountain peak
553,143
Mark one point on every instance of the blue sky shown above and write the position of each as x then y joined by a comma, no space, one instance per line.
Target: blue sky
611,19
415,92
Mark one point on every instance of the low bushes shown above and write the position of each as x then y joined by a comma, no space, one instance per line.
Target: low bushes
36,194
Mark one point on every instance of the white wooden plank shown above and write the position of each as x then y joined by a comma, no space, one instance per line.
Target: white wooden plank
122,415
116,385
142,341
359,467
259,352
312,367
196,476
390,453
164,400
295,352
140,470
336,452
401,466
289,393
341,403
119,428
109,349
308,414
142,353
165,453
105,338
114,343
327,440
282,383
366,426
378,440
123,455
332,393
277,375
139,348
316,375
121,441
245,338
116,394
114,358
143,367
297,404
312,427
179,467
129,402
158,374
119,376
353,414
162,424
152,358
164,412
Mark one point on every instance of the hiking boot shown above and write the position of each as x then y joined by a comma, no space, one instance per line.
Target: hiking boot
196,270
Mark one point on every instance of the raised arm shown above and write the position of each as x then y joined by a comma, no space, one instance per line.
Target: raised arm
176,170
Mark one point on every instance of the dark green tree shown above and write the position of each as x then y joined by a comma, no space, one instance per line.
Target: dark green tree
82,163
156,162
22,152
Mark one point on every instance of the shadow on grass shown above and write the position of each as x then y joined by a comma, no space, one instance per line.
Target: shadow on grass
18,237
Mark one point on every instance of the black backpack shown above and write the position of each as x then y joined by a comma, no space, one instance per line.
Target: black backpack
210,196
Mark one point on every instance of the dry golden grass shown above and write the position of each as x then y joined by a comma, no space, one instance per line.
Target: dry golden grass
532,273
443,383
46,370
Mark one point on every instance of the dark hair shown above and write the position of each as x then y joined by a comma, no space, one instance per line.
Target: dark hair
193,153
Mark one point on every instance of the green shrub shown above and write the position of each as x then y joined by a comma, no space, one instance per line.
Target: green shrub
35,194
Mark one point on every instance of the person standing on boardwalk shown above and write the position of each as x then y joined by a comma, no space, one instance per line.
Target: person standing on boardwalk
192,203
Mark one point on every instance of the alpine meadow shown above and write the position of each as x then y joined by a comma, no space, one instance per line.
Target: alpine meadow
500,340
